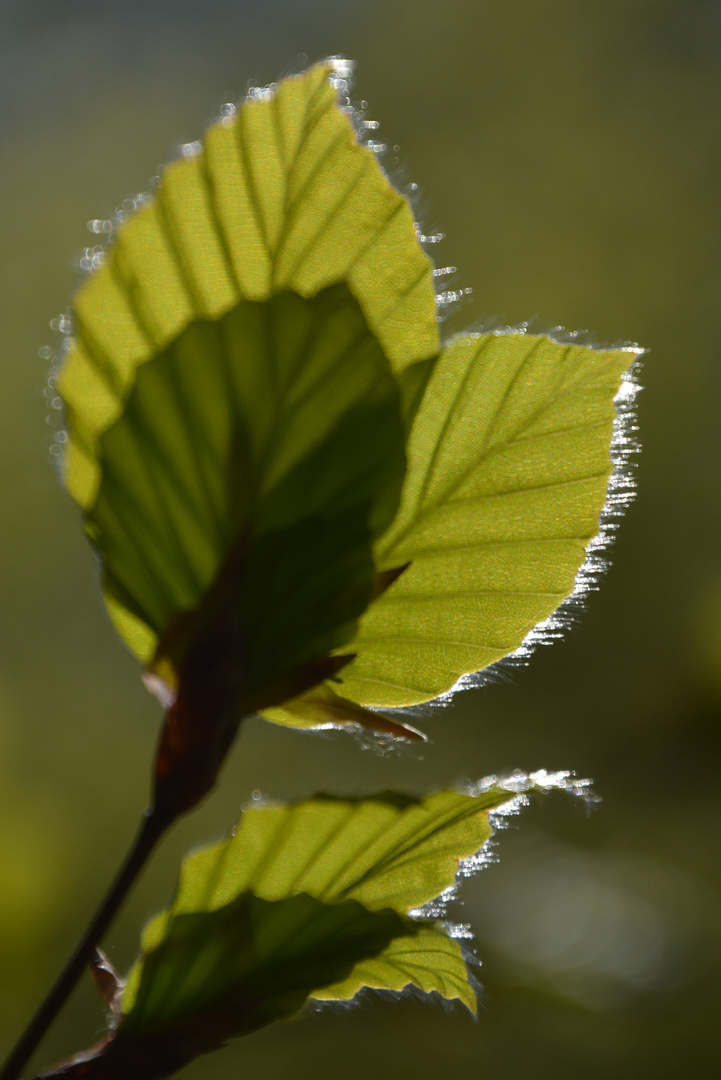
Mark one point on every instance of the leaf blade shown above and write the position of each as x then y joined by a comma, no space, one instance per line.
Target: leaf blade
306,900
250,962
388,850
509,464
248,217
430,962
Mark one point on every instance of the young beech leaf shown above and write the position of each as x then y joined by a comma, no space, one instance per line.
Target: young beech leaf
227,972
308,900
316,900
232,970
386,852
390,850
281,197
244,371
430,962
508,472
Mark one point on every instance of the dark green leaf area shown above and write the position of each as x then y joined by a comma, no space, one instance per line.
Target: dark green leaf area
412,383
274,437
228,972
315,578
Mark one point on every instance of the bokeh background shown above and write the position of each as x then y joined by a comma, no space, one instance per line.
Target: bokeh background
570,152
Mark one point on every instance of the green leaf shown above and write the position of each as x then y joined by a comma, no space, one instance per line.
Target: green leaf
430,961
282,197
389,851
386,851
508,471
227,972
509,435
273,437
319,899
244,370
234,969
321,707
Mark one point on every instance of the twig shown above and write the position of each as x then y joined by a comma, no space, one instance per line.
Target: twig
151,829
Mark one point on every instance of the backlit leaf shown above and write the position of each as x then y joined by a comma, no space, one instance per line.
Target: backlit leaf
388,851
316,900
430,961
509,434
236,968
320,707
509,465
229,355
282,197
273,437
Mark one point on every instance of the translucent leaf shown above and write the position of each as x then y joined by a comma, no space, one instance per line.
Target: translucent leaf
267,444
385,852
227,972
315,900
321,707
234,969
509,465
281,197
430,961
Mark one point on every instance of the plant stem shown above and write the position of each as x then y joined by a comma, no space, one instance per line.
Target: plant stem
151,829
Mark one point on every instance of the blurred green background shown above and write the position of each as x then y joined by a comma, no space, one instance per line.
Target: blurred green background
570,151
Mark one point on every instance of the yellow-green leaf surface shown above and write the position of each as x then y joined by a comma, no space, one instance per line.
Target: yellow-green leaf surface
508,470
281,197
387,852
321,707
429,961
316,900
